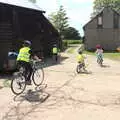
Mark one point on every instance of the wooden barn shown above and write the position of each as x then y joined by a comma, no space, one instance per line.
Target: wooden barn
103,29
22,20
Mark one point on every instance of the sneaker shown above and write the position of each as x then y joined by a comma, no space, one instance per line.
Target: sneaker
28,82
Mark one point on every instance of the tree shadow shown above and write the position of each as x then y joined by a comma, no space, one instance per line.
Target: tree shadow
49,61
6,75
29,100
85,72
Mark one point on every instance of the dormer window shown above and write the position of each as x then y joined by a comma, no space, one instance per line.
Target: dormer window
100,21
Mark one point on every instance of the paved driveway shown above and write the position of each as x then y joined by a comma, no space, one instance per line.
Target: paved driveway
93,96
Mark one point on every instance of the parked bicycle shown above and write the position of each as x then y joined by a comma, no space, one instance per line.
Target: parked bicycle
18,83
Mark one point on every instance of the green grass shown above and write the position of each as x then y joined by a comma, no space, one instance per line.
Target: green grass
89,53
71,50
113,56
110,55
73,41
70,43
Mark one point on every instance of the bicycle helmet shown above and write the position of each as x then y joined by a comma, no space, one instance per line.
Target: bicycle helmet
27,43
54,45
98,46
80,51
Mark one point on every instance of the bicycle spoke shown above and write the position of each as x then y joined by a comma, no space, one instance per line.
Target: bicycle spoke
18,85
38,77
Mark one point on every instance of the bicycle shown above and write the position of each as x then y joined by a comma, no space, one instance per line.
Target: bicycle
100,60
80,67
18,83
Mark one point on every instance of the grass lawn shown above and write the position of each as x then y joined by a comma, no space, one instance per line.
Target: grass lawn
113,56
110,55
73,41
71,50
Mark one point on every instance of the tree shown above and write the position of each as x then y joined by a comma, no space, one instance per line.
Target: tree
100,4
71,33
59,19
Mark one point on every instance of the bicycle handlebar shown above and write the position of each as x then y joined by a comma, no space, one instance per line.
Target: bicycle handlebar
36,61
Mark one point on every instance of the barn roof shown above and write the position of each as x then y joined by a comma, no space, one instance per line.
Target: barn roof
99,14
22,3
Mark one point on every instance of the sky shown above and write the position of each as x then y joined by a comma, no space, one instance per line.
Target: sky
78,11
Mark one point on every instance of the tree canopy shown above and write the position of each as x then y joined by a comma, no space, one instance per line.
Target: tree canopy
71,33
99,4
59,19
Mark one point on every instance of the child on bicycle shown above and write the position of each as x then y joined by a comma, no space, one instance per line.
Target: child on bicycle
23,59
99,52
81,59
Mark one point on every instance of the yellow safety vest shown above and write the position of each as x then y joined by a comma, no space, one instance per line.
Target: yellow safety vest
54,51
24,54
80,58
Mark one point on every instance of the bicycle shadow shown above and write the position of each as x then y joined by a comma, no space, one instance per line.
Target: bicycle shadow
105,66
34,97
37,95
85,72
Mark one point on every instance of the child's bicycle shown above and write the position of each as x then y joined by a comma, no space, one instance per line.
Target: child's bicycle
81,67
100,60
18,83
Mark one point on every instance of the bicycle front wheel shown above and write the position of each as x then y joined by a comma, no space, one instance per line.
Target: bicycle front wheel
18,84
38,76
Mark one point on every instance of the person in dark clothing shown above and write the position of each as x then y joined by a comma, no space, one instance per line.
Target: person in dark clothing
23,59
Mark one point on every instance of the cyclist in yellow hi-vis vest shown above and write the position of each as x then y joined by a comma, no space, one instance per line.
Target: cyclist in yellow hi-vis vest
55,51
81,60
23,59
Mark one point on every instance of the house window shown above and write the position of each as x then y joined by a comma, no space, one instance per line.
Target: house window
100,21
116,21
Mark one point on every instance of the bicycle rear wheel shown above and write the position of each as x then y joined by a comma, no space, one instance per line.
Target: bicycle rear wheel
38,76
100,61
18,84
78,69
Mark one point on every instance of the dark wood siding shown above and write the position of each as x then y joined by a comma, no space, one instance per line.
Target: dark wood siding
19,24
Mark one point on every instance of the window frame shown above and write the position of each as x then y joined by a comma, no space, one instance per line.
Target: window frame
100,21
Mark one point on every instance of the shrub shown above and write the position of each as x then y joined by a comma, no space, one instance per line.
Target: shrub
74,41
64,44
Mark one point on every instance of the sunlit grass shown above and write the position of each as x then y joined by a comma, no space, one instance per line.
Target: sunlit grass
113,56
71,50
110,55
